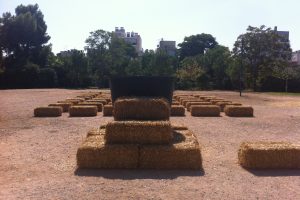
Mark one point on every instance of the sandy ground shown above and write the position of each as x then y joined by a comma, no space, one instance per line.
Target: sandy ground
37,155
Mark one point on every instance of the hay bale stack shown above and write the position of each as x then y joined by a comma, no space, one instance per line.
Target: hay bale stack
94,153
83,111
65,106
50,111
98,104
238,111
269,155
139,132
205,110
223,104
183,153
189,104
141,109
108,110
177,110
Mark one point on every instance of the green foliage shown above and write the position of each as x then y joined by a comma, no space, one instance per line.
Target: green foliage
260,48
189,73
47,78
196,44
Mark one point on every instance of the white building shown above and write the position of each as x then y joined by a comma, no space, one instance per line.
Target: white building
130,38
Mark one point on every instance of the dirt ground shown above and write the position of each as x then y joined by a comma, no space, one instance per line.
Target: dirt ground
37,155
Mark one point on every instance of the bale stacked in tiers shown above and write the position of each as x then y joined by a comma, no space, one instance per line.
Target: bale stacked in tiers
140,137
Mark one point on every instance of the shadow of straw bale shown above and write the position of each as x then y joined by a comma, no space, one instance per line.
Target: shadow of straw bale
274,172
137,174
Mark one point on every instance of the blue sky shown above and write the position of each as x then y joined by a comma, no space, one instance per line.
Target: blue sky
70,21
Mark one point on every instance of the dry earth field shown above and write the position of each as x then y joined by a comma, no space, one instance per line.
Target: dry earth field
38,155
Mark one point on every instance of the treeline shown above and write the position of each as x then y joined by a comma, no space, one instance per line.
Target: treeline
260,59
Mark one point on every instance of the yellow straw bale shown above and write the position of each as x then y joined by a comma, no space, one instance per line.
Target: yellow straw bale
83,111
183,153
65,106
205,110
179,126
99,100
108,110
175,103
132,108
269,155
189,104
177,110
215,101
239,111
94,153
51,111
139,132
224,104
75,99
98,104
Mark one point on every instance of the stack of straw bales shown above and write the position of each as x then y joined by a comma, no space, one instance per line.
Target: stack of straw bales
269,155
140,137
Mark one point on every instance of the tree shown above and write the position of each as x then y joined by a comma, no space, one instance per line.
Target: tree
261,48
189,73
196,44
286,71
215,61
23,39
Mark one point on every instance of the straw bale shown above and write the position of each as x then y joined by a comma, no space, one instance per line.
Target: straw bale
215,101
175,103
184,102
84,97
108,110
64,106
139,132
205,110
183,153
51,111
179,126
224,104
96,131
100,100
144,108
98,104
238,111
177,110
75,99
94,153
83,111
269,155
189,104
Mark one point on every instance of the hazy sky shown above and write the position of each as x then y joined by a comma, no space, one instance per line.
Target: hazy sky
70,21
